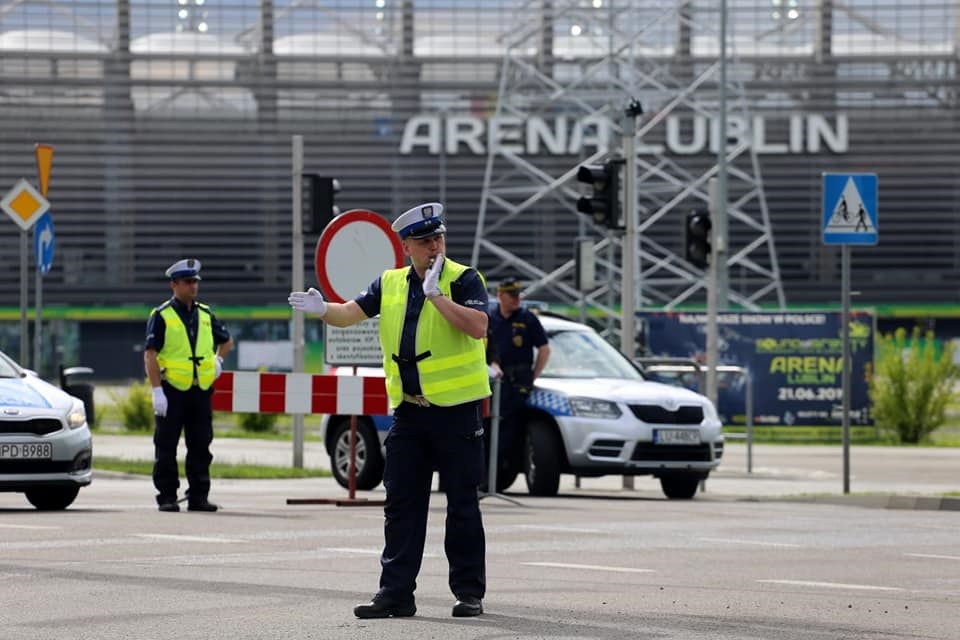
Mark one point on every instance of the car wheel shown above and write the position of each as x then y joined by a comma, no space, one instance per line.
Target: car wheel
369,459
680,486
52,498
542,461
505,478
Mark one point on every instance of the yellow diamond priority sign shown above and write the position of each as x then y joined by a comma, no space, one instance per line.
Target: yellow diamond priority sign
24,204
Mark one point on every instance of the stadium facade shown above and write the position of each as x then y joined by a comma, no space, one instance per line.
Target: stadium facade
172,124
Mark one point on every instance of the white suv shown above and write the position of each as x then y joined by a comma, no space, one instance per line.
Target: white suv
591,413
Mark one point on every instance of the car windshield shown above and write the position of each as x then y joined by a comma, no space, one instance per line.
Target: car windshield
584,354
7,367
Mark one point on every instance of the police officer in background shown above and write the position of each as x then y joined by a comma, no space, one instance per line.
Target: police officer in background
514,332
432,323
183,355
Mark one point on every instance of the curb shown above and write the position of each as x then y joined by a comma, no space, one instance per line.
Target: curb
917,503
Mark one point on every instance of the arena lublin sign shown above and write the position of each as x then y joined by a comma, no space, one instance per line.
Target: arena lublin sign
683,134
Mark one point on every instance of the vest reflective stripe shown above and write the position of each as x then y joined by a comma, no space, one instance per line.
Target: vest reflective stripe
455,371
175,356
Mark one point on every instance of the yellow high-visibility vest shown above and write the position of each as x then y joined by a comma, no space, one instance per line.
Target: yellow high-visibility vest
452,365
176,358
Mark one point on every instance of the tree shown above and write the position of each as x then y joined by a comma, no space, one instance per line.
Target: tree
912,384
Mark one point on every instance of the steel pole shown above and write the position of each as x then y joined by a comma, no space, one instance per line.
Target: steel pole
37,319
297,283
24,286
721,236
845,336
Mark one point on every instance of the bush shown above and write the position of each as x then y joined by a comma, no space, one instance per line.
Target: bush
912,385
257,422
136,408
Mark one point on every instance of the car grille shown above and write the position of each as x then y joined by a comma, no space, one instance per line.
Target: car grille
36,466
655,414
672,452
36,426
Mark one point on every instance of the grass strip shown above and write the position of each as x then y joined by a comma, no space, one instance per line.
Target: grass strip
217,470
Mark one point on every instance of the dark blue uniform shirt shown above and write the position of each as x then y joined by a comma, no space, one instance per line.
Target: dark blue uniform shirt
157,326
467,290
514,339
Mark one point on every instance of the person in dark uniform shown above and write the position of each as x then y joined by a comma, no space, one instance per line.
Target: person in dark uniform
432,323
183,355
513,334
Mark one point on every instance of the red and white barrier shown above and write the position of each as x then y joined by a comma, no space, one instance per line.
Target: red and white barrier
299,393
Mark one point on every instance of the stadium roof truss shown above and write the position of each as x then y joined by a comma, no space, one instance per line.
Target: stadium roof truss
666,186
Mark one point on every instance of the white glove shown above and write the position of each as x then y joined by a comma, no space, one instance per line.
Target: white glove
159,402
219,367
431,280
310,301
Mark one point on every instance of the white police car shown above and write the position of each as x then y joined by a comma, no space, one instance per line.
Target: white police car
45,444
591,413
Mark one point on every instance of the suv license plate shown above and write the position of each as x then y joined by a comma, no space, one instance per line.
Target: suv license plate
676,436
26,450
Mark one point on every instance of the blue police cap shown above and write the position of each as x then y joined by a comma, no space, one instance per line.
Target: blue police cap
510,284
186,268
422,221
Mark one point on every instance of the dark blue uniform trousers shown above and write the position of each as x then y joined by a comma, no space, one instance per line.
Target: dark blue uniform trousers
421,439
191,412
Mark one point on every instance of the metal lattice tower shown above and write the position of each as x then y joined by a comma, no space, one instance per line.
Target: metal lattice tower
627,49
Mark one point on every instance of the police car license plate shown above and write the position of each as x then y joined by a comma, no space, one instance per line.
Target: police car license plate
676,436
26,450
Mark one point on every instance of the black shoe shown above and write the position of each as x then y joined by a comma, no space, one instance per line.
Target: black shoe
168,506
382,606
202,506
467,606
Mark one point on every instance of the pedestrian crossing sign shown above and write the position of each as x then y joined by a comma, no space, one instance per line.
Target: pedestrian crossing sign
850,213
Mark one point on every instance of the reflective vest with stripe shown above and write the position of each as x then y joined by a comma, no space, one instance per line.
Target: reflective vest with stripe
451,365
176,358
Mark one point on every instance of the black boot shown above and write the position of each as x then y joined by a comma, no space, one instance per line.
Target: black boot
467,606
382,606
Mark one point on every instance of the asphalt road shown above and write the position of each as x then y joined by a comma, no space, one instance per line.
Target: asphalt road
626,564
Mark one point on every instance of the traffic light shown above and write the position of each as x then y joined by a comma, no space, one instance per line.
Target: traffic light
319,194
697,238
604,203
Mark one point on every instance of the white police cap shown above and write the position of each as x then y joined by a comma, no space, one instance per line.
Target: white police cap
186,268
422,221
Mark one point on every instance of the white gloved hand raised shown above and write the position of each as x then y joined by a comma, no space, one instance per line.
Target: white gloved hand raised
309,301
431,280
219,366
159,402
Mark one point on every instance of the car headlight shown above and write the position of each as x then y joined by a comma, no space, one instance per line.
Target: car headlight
77,417
710,412
594,408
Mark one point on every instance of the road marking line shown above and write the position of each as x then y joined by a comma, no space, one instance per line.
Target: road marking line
352,550
548,527
26,526
932,555
832,585
366,552
167,536
591,567
759,543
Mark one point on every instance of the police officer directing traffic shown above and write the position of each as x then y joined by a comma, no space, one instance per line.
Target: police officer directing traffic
183,355
514,333
432,323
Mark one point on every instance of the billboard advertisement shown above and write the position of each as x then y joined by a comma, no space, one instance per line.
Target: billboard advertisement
795,360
